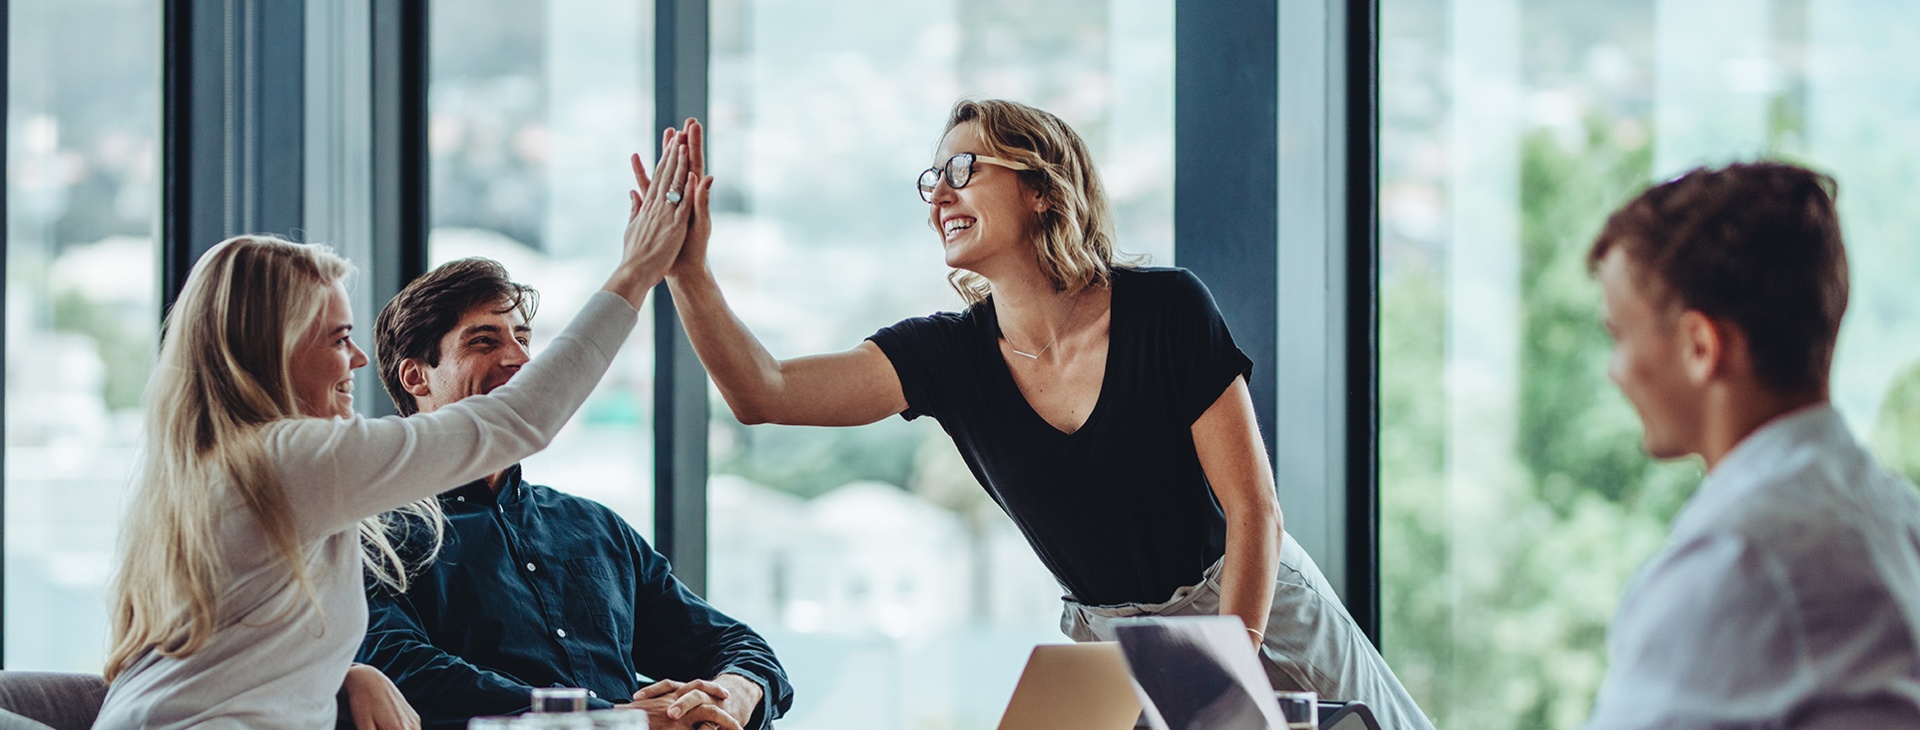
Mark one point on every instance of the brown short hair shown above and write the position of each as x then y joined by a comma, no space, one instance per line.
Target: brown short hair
414,321
1075,246
1757,244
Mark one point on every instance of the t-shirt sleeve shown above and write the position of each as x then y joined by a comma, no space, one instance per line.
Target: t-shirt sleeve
922,350
1207,357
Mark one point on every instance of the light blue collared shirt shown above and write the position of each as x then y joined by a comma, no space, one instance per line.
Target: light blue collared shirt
1787,593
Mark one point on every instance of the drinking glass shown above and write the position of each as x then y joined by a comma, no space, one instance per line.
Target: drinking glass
559,699
618,719
1300,710
500,722
554,721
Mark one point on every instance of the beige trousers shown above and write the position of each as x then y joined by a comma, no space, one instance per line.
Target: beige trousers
1312,642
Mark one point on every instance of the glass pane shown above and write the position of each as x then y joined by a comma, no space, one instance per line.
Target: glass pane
896,592
82,308
1516,499
533,108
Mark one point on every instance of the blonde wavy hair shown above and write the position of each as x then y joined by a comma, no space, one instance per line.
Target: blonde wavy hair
1075,246
222,377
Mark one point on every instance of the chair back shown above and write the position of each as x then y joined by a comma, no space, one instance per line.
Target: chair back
60,700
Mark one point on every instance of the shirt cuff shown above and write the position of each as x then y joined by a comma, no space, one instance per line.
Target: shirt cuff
763,713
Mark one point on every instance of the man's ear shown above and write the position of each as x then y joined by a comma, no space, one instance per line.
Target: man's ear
1705,346
413,377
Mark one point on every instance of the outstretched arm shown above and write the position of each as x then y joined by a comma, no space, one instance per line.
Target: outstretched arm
849,388
337,471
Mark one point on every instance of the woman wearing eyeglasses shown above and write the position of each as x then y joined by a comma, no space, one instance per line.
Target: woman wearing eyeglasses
1104,407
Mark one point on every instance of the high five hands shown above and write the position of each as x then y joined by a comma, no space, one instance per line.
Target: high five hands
657,221
691,194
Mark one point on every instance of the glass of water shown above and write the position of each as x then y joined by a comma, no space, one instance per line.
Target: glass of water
618,719
559,699
1300,710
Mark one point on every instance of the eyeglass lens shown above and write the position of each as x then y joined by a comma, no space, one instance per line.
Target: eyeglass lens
959,171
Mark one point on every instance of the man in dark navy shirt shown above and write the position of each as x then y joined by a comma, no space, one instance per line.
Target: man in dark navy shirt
533,587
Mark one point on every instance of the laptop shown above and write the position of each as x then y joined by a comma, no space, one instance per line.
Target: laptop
1198,673
1079,686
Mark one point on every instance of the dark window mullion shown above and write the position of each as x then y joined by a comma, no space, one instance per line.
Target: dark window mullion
680,383
400,169
1362,74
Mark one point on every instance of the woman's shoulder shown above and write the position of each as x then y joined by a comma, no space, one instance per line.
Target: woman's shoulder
938,324
1162,286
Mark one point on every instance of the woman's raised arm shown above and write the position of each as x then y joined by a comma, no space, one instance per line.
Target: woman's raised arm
849,388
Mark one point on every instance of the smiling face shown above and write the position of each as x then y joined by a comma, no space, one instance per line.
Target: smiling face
989,220
1650,363
322,365
484,350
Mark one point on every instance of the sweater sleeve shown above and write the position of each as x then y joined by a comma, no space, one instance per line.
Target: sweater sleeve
338,471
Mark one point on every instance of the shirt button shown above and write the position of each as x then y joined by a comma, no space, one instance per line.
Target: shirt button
530,567
461,498
562,633
593,694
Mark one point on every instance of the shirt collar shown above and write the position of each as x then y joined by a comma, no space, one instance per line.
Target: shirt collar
512,490
1770,448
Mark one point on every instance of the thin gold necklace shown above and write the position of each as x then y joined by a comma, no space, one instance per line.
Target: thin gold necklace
1056,335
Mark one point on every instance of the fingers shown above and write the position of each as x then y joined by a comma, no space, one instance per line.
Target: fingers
663,170
701,187
674,174
688,700
714,691
639,174
363,718
634,208
710,717
688,184
657,689
696,147
695,694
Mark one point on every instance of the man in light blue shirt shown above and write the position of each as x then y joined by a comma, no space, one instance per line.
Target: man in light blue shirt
1788,594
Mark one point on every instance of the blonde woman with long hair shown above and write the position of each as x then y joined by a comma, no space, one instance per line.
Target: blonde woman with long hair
238,600
1103,406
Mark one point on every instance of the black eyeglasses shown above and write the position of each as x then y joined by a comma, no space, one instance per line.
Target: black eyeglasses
959,172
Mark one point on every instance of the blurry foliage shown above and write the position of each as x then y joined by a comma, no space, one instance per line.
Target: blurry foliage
125,344
1896,436
1507,628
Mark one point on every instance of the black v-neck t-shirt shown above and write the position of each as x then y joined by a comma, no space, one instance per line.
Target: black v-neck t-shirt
1119,510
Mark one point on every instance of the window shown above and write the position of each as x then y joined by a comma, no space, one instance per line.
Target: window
1515,497
82,308
533,108
895,591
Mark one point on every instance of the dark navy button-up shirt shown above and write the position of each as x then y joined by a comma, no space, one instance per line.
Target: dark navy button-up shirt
539,588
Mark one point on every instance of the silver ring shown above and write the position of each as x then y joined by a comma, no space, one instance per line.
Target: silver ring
673,196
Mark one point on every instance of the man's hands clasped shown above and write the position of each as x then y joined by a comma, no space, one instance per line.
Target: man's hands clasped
725,702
